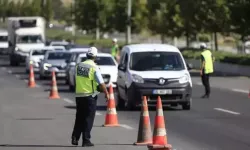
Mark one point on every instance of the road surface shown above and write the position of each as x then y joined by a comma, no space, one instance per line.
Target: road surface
31,121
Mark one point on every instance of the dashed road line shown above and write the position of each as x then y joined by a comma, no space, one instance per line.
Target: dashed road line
9,71
98,114
227,111
126,126
68,100
26,81
240,90
17,76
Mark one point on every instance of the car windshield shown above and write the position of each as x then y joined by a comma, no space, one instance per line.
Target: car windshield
55,56
3,38
66,46
149,61
29,39
59,49
39,52
101,61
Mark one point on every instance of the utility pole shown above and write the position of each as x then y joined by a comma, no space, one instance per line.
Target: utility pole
128,35
73,9
43,4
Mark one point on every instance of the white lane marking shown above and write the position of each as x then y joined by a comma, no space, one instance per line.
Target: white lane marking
68,101
9,71
227,111
240,90
98,114
17,76
126,126
26,81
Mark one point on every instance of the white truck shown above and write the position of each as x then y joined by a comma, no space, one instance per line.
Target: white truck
25,33
4,45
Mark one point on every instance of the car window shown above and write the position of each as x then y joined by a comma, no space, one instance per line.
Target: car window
100,61
39,52
56,56
145,61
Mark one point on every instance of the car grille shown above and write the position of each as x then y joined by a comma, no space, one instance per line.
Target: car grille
106,78
156,81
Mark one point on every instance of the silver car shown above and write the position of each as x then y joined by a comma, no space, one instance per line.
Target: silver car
54,60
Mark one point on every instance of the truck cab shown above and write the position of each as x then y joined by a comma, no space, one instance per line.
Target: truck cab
25,33
4,45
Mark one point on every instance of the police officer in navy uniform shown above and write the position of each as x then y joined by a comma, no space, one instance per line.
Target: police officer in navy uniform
88,83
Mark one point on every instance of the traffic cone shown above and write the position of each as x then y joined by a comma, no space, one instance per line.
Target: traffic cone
144,134
31,82
111,119
54,91
249,93
160,141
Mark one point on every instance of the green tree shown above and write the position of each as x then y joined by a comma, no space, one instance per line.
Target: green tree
164,16
48,10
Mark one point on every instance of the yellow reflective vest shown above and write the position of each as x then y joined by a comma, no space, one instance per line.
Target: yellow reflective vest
86,84
114,50
207,55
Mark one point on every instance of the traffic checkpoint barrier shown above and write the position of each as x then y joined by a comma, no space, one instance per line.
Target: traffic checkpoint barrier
160,141
31,83
54,91
111,119
144,133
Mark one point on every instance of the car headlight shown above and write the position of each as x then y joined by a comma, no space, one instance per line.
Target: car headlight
137,78
184,79
46,65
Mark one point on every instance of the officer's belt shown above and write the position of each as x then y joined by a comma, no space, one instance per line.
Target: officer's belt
87,94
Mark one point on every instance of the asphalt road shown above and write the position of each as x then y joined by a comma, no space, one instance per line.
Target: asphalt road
29,120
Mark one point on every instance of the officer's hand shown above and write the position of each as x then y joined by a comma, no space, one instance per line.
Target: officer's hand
201,72
107,97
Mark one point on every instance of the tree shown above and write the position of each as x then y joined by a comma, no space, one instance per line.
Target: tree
164,16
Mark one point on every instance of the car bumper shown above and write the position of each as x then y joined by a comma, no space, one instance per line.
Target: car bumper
59,73
176,93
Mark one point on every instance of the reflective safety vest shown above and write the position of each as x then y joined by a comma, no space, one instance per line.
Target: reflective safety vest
207,55
85,78
114,50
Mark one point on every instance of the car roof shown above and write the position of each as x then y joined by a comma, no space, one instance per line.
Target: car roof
78,49
99,54
59,42
150,48
44,48
58,52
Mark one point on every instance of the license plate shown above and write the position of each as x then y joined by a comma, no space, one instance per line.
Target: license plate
162,92
60,74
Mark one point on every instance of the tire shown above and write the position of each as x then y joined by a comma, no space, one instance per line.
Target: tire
41,77
120,101
66,81
186,106
128,104
27,71
13,62
71,88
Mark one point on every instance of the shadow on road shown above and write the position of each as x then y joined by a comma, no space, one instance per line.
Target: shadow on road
10,145
99,108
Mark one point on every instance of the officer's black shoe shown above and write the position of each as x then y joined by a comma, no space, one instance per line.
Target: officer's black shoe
87,144
205,96
74,141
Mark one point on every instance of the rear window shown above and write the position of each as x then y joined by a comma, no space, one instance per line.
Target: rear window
56,56
101,61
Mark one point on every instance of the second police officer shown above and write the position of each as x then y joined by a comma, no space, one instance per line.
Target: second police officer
88,81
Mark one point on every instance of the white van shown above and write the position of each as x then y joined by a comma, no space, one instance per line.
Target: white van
153,70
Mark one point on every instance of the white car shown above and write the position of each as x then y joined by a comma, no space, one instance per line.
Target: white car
59,43
59,48
153,70
35,57
106,63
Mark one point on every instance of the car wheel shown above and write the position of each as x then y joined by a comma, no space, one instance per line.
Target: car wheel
186,106
27,71
66,81
71,88
128,104
41,77
120,101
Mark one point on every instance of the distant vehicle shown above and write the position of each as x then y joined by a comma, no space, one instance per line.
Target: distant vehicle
35,57
59,48
65,44
25,33
75,52
107,65
151,70
54,60
4,44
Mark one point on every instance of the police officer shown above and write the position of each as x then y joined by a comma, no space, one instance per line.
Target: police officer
88,81
206,68
115,49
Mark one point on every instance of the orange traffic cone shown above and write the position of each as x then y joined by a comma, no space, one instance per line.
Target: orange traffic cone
249,93
111,119
54,91
160,141
144,134
31,83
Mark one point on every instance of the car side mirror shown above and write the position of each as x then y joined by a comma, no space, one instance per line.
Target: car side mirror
122,67
189,66
72,64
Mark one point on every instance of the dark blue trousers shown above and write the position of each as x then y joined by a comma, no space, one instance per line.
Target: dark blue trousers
85,116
